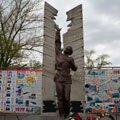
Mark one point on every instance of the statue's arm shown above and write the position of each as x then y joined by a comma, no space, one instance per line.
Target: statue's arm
58,41
73,65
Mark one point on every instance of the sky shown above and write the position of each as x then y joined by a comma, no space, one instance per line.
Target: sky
101,25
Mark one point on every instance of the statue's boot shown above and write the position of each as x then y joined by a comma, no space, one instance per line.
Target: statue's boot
67,112
61,114
66,108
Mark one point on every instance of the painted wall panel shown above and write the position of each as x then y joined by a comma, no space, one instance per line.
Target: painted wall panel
102,90
20,91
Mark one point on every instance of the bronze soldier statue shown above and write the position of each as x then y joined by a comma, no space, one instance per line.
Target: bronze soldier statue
63,78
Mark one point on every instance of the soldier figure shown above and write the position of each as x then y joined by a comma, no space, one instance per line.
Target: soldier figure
63,78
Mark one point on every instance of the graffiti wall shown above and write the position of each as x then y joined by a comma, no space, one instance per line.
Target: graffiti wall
102,89
20,91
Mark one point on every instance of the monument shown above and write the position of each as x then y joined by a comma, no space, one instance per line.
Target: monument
73,38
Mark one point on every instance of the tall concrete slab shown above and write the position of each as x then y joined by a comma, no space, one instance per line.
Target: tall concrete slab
74,37
48,89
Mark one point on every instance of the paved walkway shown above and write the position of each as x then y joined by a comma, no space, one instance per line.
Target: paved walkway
4,116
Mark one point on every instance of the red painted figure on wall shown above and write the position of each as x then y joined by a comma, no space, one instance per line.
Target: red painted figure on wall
63,78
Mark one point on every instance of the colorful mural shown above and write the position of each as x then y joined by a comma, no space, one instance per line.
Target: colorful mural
102,89
20,91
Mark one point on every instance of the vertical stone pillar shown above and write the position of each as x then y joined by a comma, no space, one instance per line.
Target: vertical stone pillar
48,88
74,37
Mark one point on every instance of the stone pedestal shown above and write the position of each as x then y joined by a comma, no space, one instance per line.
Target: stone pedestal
48,86
74,38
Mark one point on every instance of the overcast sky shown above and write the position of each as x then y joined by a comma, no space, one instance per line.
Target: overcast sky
101,23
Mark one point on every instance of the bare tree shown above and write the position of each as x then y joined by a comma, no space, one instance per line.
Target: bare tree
20,29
